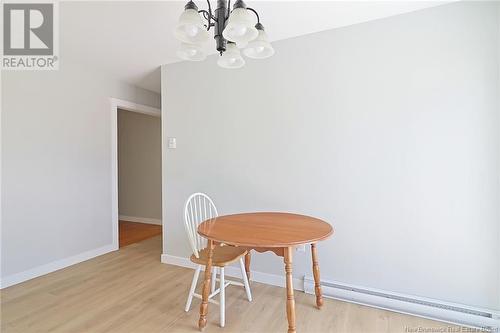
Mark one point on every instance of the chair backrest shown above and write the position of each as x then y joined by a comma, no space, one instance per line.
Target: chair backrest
198,208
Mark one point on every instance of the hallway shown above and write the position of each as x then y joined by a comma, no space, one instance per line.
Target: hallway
133,232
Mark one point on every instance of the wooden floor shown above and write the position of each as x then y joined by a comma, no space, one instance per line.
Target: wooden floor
133,232
131,291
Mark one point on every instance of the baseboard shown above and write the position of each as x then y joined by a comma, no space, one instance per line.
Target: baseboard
413,305
54,266
266,278
140,219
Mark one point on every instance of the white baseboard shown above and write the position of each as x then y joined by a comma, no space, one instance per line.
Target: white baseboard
382,299
54,266
140,219
413,305
270,279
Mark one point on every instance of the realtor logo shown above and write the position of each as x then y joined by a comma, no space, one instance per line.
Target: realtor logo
29,36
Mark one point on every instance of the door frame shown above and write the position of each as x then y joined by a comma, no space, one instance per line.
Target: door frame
116,104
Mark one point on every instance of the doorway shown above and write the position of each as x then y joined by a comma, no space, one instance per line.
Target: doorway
136,173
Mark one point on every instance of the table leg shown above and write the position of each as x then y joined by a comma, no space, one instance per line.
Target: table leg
290,301
248,257
206,287
317,281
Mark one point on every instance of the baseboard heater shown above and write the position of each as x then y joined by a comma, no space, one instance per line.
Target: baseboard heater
484,319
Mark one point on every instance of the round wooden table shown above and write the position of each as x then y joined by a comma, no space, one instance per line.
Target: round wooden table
276,232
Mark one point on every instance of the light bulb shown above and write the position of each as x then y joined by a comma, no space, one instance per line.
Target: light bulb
231,58
238,30
191,30
240,27
259,49
191,52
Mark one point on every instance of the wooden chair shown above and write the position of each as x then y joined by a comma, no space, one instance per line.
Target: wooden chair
198,208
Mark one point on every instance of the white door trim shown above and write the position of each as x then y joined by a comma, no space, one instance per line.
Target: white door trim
128,106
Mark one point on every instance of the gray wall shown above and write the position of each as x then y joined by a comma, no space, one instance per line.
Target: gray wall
139,165
389,130
56,163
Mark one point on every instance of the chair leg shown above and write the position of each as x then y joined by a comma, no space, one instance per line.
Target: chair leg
214,278
222,300
245,280
193,287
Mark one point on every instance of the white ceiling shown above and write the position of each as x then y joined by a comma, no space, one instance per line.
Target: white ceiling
132,39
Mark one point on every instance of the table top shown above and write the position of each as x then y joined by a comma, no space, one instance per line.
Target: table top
265,229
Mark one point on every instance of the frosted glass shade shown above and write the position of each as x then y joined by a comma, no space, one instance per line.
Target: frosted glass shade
240,27
191,52
190,28
231,58
260,47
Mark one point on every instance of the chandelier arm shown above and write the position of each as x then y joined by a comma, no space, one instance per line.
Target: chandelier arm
210,11
207,15
255,12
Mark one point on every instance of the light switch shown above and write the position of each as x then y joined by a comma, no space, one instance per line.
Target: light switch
172,143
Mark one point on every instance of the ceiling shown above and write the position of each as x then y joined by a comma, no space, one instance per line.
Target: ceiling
130,40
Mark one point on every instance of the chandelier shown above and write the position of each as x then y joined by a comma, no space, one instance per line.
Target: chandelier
233,30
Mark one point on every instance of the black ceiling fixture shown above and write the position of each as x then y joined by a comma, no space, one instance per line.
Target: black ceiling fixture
233,30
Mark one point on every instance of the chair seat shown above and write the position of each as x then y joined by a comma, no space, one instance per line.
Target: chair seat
222,256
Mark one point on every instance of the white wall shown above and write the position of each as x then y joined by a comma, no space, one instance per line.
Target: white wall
56,166
498,96
139,166
389,130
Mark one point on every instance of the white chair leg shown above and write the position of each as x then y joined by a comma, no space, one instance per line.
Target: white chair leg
245,280
214,278
193,287
222,301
